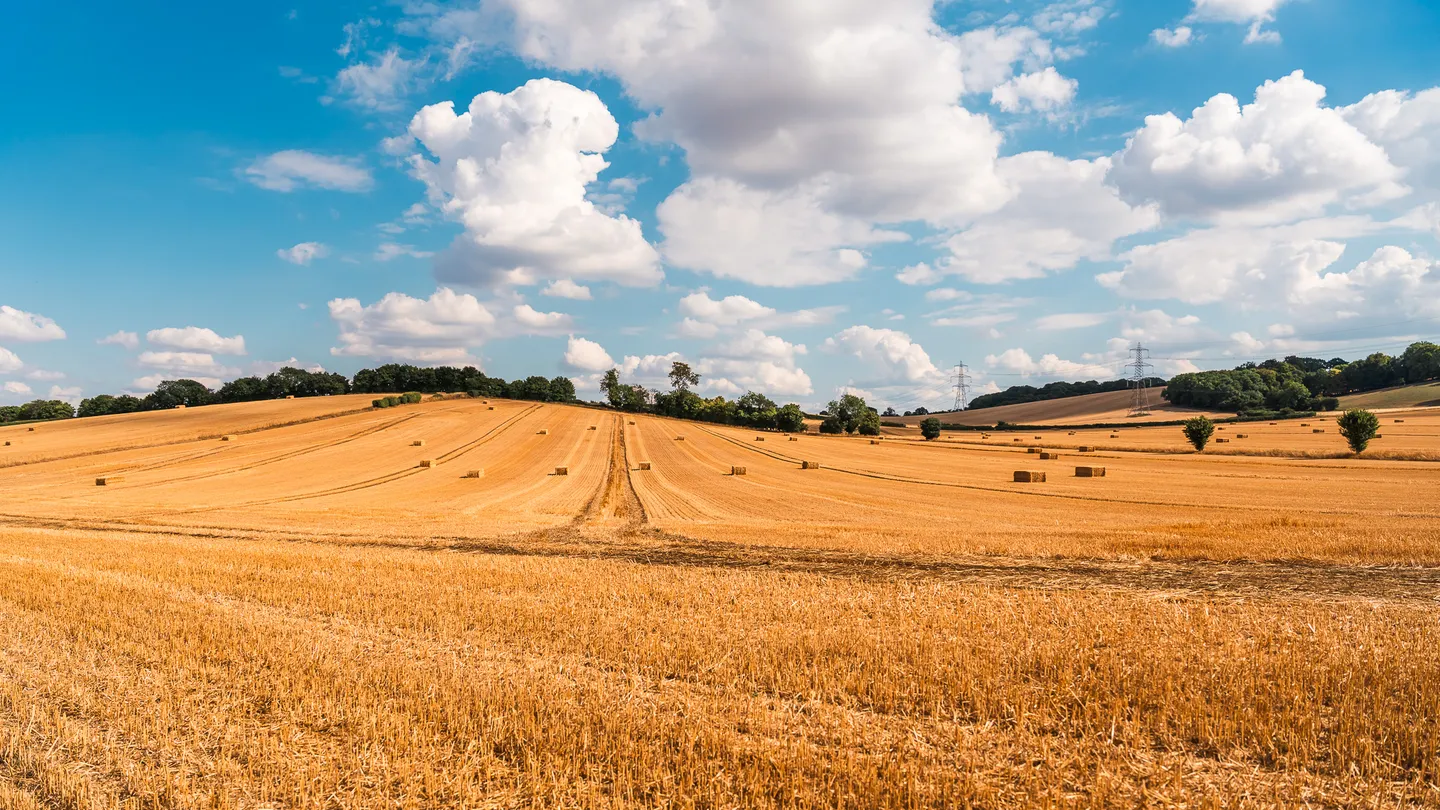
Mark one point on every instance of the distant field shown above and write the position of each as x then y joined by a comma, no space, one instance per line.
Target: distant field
310,615
1409,396
1113,406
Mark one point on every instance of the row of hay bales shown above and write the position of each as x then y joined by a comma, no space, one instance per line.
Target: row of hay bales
1038,476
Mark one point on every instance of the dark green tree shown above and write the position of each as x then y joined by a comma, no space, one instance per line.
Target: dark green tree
1198,431
930,429
1358,426
171,393
790,419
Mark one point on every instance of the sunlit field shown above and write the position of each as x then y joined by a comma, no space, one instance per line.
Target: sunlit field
344,607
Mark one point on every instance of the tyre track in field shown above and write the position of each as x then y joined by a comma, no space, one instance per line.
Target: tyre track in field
370,431
489,435
546,480
174,442
615,499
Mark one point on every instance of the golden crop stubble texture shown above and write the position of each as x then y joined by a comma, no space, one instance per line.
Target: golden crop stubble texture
145,671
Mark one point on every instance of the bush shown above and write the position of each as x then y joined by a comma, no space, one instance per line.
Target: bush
411,397
1329,403
1198,431
1358,427
832,424
930,429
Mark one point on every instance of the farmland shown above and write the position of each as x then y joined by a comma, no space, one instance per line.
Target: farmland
307,615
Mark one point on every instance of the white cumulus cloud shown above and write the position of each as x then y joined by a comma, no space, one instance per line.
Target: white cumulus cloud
435,331
19,325
1281,157
587,355
890,355
195,338
565,288
513,169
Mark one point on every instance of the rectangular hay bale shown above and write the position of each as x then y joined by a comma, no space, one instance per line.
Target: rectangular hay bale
1029,477
644,465
1221,441
475,474
809,465
1089,472
418,443
427,463
543,432
679,438
562,470
737,470
592,427
1032,449
794,439
1049,456
1087,449
759,438
107,480
227,438
1318,430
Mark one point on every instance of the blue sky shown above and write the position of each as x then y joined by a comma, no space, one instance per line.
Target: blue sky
793,197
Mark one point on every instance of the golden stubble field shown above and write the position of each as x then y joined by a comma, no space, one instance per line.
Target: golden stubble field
304,616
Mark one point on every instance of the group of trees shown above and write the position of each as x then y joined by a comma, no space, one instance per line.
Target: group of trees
1301,383
299,383
850,414
750,409
1018,394
36,410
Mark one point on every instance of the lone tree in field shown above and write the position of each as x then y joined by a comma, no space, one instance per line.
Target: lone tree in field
930,429
1358,427
1198,431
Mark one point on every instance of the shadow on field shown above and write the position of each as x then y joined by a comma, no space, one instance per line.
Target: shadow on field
635,543
1237,579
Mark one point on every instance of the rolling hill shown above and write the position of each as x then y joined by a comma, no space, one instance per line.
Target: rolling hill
1112,406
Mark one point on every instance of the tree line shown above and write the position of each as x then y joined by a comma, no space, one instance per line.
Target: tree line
1301,383
299,383
848,414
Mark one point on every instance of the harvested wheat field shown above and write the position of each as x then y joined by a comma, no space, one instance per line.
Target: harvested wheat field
305,616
